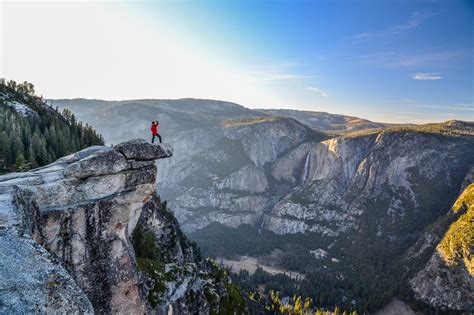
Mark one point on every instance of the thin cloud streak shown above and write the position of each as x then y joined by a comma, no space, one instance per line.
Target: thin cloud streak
321,92
392,59
426,76
405,100
280,72
416,19
279,76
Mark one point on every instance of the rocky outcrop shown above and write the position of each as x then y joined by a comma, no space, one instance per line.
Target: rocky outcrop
140,150
183,281
32,280
65,228
70,243
441,285
447,279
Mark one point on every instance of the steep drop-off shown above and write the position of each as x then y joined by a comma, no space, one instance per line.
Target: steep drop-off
363,202
65,238
447,279
396,177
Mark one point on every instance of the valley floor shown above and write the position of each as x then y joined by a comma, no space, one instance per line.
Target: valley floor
251,264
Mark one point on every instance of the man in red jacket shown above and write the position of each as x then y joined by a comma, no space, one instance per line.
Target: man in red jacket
154,131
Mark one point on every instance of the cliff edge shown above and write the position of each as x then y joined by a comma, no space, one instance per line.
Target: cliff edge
65,237
447,279
65,230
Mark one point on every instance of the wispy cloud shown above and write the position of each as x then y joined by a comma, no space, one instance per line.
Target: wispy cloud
279,76
426,76
286,65
405,100
321,92
416,19
280,72
395,59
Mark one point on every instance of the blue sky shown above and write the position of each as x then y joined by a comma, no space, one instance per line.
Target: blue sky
394,61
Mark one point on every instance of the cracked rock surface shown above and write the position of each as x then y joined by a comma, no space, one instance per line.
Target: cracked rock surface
65,227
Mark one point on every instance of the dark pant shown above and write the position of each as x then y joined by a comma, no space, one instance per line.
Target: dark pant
153,139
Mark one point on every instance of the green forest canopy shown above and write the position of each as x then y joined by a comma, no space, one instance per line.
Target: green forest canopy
32,133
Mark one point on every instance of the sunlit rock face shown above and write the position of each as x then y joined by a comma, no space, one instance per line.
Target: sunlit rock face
279,175
447,279
65,227
389,176
223,174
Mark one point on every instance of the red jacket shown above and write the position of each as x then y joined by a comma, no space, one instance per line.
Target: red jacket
154,128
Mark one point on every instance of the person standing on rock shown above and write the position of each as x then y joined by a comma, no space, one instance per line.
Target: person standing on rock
154,131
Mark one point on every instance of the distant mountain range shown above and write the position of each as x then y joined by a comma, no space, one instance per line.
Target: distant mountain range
326,122
346,211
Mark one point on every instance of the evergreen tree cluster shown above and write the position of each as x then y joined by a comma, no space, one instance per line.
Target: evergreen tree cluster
40,134
361,289
272,303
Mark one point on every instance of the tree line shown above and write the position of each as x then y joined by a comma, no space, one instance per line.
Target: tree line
39,135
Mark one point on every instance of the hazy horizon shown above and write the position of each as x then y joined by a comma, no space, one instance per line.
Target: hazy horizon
389,61
256,108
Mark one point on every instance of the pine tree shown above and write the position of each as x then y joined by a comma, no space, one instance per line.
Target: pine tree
20,163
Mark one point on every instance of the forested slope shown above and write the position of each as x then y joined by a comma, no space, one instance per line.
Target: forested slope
32,133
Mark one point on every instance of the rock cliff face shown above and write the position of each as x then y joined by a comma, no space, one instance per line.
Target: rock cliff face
184,281
341,179
447,279
65,233
223,175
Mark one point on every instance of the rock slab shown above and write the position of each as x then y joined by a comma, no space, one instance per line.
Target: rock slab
65,227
